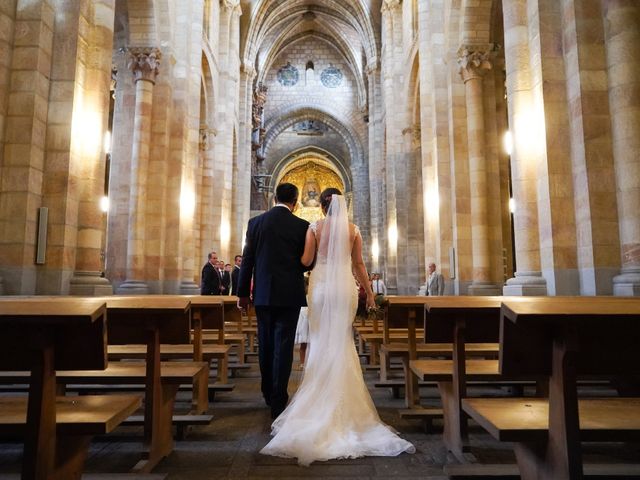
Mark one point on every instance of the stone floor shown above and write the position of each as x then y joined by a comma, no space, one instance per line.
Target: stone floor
228,448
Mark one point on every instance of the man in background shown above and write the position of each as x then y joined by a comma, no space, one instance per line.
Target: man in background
377,285
210,281
226,279
435,282
235,273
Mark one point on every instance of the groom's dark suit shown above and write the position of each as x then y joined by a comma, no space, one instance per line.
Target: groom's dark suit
273,247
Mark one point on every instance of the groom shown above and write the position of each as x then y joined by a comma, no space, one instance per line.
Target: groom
273,247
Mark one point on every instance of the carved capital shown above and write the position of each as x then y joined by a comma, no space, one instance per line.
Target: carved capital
391,5
232,5
144,62
249,69
474,61
372,66
204,139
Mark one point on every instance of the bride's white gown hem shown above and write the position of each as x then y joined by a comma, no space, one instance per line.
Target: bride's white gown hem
332,415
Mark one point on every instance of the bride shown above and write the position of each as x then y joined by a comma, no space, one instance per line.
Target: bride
332,414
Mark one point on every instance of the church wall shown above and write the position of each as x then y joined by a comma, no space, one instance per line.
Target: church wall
290,141
309,92
24,145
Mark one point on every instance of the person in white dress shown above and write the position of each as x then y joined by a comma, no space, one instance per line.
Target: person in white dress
302,330
332,414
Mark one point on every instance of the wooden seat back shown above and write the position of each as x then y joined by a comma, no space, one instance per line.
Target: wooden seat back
78,328
481,317
130,317
605,333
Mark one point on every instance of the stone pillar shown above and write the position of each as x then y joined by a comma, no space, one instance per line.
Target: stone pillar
88,276
474,62
528,278
622,37
7,19
392,38
144,63
24,141
376,189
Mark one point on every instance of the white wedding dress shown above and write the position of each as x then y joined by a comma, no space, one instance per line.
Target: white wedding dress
332,414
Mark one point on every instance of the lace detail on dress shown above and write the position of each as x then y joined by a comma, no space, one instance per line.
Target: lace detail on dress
314,227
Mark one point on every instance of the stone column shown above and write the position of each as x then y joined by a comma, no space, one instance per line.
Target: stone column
622,37
144,63
528,278
376,171
88,276
474,62
7,19
392,38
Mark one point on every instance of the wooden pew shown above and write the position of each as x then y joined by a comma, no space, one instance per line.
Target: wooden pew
43,336
563,338
396,346
205,309
458,320
230,333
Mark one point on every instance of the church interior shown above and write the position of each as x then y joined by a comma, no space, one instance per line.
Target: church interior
498,140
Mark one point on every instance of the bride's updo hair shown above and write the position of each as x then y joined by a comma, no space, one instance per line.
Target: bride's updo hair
325,197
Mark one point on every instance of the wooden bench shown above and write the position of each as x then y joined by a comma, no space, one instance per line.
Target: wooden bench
458,320
152,320
563,338
43,336
214,330
208,353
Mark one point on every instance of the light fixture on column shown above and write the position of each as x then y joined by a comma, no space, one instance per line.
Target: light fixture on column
512,205
507,142
104,204
393,237
107,142
225,232
375,250
187,201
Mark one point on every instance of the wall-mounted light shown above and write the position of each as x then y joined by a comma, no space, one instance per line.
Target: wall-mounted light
187,201
225,232
375,250
107,142
512,205
393,237
104,204
507,142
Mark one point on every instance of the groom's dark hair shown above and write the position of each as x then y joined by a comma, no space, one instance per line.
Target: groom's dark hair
286,193
325,197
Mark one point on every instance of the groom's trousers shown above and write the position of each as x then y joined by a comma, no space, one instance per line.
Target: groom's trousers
276,336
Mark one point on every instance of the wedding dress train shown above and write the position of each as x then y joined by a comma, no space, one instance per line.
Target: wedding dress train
332,414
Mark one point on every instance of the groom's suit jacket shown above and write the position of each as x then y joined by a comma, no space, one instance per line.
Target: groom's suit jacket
272,251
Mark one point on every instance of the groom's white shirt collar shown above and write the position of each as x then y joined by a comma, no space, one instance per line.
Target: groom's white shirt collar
283,205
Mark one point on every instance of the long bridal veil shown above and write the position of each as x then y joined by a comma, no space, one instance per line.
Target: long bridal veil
332,414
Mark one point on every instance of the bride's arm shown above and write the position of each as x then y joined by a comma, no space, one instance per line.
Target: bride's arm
309,248
360,270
